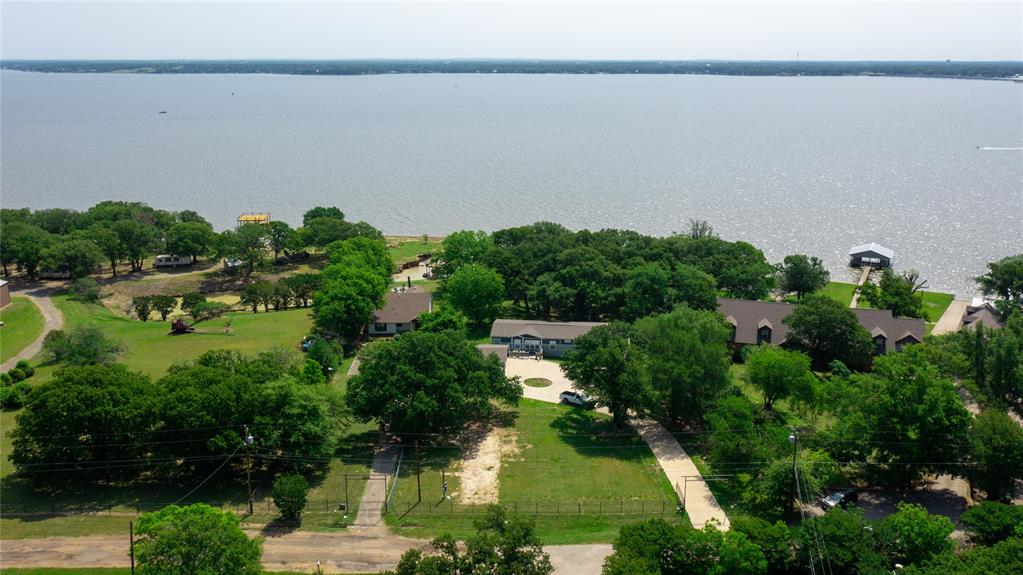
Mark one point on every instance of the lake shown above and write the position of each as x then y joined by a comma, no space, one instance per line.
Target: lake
793,165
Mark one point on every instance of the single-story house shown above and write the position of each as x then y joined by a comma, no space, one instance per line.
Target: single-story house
873,255
401,311
5,293
985,314
553,338
756,322
498,351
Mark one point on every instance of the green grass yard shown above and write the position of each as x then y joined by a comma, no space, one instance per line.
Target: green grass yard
569,468
23,323
406,249
839,291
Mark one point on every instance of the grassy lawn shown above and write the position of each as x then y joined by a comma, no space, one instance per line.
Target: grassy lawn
568,468
22,325
151,350
839,291
935,305
537,382
406,249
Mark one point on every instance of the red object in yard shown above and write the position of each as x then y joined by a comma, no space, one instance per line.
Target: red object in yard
179,326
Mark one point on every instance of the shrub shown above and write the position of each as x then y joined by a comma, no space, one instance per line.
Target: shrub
190,300
289,494
14,397
86,345
6,379
991,522
17,375
26,367
86,290
143,306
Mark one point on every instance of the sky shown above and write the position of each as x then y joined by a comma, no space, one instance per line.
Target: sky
751,30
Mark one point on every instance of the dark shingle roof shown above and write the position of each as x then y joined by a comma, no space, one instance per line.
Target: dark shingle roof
748,315
404,306
501,351
985,314
541,329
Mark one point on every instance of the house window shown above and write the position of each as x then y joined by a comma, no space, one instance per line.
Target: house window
399,325
734,329
554,344
763,335
380,327
879,344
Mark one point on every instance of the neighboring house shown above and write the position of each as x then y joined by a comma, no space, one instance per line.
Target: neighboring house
551,338
5,293
756,322
499,351
254,218
985,313
873,255
401,311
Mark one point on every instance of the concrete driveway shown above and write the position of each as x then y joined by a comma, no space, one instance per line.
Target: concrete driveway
527,368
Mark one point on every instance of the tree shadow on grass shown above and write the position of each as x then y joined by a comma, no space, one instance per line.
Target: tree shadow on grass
596,436
280,527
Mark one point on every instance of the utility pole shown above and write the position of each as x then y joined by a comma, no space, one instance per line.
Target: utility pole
131,538
419,487
248,465
794,440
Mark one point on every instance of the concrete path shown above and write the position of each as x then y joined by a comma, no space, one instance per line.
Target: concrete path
52,319
952,319
700,504
864,276
674,461
371,506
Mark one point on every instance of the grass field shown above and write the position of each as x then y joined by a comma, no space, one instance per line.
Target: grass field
839,291
23,323
935,304
568,468
406,249
151,350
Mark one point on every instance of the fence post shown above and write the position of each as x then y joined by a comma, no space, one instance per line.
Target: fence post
536,508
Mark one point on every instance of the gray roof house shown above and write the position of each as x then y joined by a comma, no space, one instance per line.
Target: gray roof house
401,311
498,351
552,338
873,255
756,322
985,314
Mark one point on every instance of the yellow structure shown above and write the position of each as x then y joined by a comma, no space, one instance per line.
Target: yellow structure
254,219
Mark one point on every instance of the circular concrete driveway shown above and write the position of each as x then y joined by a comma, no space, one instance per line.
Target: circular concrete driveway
527,368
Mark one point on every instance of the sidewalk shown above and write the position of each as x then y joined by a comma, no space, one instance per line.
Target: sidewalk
952,319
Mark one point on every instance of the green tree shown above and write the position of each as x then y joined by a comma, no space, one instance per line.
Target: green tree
502,545
774,541
996,454
895,292
801,274
647,291
1002,356
463,248
428,383
1005,280
735,436
322,232
827,330
694,287
613,371
289,494
281,296
107,240
137,241
911,535
992,521
86,290
163,305
195,540
109,411
849,542
442,319
347,298
476,291
906,419
191,216
1002,558
23,245
78,257
247,243
84,345
689,358
322,212
775,487
258,293
325,353
780,374
191,299
365,252
281,237
191,239
143,306
655,546
302,287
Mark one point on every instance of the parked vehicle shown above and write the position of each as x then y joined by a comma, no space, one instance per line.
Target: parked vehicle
575,398
54,275
295,257
839,498
172,261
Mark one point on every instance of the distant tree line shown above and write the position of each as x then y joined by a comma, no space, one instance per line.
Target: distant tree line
964,69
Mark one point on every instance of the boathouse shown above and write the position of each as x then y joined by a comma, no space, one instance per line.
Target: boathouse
873,255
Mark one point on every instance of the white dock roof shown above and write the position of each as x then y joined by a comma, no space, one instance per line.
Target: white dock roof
872,247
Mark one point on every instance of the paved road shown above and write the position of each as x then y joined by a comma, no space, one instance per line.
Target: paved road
346,552
52,319
371,506
699,501
951,320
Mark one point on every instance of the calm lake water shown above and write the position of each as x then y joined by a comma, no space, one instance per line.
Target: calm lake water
812,165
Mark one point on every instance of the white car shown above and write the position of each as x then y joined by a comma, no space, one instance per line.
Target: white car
575,398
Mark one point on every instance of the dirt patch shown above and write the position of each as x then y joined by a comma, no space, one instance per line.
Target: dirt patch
484,446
